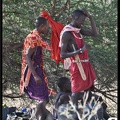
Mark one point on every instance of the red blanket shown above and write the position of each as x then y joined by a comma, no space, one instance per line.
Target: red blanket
56,28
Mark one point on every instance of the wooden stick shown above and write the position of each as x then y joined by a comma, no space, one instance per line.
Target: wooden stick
80,67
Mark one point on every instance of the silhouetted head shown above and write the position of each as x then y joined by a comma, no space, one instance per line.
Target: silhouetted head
78,18
64,84
41,24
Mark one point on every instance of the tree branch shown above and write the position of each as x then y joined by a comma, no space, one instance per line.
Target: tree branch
8,45
105,95
69,18
12,96
61,9
15,12
53,8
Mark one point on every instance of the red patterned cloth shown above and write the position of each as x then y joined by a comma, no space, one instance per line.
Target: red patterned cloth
55,37
32,40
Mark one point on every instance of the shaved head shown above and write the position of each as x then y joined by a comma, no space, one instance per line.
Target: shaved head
39,21
78,18
77,13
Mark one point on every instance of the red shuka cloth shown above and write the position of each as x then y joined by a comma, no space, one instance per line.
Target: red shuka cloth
55,36
78,84
32,40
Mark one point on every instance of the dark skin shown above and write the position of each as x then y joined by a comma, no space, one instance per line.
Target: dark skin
68,40
42,30
64,99
40,108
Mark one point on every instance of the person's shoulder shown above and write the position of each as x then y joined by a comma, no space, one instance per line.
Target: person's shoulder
65,95
67,35
32,36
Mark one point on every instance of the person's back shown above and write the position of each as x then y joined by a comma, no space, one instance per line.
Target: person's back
62,99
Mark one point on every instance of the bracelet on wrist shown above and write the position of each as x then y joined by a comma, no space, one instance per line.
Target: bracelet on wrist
81,50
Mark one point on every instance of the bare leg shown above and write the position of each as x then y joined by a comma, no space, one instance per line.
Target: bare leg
76,97
49,115
41,110
105,115
75,100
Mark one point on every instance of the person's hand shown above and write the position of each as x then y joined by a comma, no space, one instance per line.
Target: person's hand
86,46
37,79
86,13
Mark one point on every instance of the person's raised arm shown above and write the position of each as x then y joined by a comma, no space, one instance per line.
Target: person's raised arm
30,52
93,31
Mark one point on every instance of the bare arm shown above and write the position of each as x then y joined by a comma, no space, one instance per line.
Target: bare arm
30,52
93,31
65,40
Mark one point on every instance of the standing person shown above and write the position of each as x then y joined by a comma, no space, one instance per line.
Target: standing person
72,45
33,78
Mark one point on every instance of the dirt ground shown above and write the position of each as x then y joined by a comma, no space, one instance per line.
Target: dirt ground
28,103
